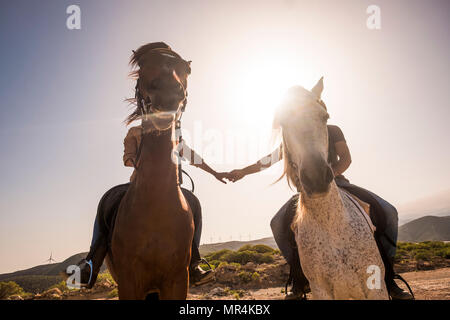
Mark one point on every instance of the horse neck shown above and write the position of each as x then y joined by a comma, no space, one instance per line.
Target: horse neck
326,210
157,170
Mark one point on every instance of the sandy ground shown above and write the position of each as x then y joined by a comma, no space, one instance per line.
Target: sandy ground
426,285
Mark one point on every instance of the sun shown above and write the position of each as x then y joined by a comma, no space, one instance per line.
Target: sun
260,86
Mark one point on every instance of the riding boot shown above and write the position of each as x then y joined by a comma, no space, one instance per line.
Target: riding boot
198,276
395,292
90,266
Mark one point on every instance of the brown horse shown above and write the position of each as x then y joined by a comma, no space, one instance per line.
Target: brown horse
152,237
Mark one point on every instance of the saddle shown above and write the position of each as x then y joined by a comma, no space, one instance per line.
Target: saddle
364,207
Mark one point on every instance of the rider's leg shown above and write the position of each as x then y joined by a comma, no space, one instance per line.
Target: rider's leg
197,274
90,266
285,239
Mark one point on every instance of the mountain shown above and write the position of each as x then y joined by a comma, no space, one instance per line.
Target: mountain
52,269
434,205
235,245
425,229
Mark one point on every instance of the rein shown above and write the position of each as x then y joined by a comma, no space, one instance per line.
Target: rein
177,123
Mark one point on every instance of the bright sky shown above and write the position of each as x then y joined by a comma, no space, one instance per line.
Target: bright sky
62,105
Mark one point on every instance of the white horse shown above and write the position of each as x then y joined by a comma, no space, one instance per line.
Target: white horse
337,250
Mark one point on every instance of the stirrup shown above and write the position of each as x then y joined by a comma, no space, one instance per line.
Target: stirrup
91,267
399,277
206,261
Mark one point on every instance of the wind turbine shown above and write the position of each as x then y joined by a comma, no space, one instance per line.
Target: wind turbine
50,260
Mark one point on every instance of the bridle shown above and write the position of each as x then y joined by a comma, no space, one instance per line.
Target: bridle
146,111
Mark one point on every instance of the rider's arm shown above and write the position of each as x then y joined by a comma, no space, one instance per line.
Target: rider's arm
130,148
258,166
344,158
197,161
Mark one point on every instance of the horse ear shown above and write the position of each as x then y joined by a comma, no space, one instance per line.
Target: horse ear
318,88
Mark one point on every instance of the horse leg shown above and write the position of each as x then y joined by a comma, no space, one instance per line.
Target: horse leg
177,289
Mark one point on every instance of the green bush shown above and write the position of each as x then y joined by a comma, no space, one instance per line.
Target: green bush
256,276
113,293
10,288
217,255
237,294
105,276
245,276
62,286
423,255
427,250
261,248
257,254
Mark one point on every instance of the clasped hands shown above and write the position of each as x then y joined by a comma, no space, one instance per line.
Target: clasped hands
232,176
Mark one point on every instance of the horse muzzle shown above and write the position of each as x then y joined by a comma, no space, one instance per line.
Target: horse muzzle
316,176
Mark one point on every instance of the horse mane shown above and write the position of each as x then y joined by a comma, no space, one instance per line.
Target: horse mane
288,170
278,133
136,62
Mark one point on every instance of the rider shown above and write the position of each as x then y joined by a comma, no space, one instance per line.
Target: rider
90,266
383,215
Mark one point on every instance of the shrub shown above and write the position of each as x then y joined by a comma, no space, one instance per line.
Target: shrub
10,288
422,256
245,276
261,248
256,276
247,247
237,294
217,255
62,286
257,254
113,293
427,250
105,276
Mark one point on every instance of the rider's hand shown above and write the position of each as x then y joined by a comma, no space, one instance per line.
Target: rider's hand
221,176
236,175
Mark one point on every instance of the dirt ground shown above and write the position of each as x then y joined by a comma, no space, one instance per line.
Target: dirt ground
426,285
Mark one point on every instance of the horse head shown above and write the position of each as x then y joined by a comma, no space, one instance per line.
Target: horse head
302,118
161,88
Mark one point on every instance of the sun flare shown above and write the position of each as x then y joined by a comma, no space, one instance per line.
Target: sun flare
261,85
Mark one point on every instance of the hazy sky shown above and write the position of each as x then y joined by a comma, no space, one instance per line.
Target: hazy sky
62,105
